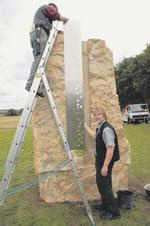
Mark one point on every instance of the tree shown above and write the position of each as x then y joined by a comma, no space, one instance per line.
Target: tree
11,112
133,79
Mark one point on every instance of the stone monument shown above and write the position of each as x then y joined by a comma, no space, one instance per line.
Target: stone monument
99,89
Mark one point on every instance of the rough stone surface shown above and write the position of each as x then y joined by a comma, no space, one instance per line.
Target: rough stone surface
99,90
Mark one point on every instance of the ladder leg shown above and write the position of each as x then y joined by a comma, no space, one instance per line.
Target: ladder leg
25,119
67,147
82,192
15,149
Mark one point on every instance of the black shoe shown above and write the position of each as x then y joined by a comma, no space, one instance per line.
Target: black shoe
40,94
109,216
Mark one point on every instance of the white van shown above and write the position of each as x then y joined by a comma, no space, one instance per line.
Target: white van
136,113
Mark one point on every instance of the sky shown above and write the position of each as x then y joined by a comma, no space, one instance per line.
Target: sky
123,24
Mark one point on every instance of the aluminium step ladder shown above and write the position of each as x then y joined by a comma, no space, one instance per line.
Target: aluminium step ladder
22,127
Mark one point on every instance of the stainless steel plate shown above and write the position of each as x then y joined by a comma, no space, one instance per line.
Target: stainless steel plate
74,84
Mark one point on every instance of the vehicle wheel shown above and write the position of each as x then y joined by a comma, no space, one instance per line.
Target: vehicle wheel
129,121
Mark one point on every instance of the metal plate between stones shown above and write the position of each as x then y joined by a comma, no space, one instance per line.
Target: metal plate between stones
74,84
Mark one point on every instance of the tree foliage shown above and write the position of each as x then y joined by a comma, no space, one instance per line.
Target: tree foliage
133,79
14,112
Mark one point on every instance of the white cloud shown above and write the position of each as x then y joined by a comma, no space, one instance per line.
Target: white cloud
124,25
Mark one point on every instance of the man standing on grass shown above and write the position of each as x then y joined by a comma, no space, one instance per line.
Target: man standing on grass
107,152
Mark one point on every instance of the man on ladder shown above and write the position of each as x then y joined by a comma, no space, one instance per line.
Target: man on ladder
39,34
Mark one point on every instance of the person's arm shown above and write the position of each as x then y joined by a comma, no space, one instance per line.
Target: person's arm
109,140
63,19
89,131
108,158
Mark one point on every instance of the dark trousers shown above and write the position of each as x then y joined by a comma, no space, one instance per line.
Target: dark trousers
104,184
38,40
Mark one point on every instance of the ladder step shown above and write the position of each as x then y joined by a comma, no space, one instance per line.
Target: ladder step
43,176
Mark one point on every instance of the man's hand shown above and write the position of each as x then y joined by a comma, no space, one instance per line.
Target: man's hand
89,131
104,171
64,19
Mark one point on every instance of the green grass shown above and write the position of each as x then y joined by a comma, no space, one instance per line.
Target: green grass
26,209
138,136
25,162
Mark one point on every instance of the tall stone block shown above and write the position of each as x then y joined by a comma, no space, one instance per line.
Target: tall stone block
47,143
99,90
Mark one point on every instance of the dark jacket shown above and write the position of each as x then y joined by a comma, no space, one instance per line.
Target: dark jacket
101,148
43,19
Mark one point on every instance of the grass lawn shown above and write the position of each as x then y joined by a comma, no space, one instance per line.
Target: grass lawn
138,136
26,209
